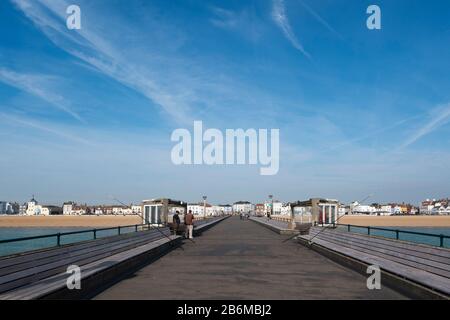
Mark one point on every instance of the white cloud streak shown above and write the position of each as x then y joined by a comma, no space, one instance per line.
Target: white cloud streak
93,49
44,128
279,16
37,85
321,20
440,117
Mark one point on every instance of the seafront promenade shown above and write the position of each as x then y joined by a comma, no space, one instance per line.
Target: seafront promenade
239,259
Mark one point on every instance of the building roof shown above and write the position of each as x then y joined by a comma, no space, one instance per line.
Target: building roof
242,202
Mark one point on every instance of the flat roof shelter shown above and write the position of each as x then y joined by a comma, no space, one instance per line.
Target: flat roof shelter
322,211
157,211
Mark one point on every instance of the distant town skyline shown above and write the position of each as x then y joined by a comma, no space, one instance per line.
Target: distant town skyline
88,114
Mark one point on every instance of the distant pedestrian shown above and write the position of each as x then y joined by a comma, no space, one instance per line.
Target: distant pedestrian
268,215
176,222
189,223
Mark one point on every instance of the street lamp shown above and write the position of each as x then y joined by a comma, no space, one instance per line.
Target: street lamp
271,205
204,206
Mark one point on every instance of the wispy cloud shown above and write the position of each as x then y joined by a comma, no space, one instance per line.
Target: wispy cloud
321,20
440,116
44,128
38,85
94,49
280,17
244,22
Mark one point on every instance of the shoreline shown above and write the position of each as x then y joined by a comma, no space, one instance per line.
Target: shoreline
397,221
68,221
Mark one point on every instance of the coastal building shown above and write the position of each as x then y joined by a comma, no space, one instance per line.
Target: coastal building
6,208
242,206
23,209
286,209
277,206
260,209
78,210
198,209
362,209
435,207
136,209
67,207
36,209
224,209
316,210
158,211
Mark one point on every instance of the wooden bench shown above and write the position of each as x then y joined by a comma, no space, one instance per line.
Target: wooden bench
44,267
424,265
303,228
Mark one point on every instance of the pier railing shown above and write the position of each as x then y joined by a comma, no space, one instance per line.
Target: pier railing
94,232
86,235
395,232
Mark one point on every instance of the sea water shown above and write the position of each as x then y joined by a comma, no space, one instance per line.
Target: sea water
430,240
34,244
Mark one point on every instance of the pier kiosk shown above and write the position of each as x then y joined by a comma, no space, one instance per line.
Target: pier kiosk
317,210
159,212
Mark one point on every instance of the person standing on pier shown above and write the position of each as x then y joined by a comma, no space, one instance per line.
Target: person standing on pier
189,223
176,222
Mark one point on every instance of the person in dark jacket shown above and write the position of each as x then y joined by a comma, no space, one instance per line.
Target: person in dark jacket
176,222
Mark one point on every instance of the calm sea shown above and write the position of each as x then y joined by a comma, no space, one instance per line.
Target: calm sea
21,246
434,241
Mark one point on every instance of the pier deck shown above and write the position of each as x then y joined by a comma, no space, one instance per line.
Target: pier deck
239,259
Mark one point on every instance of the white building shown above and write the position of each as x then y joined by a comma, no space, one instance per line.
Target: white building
242,206
222,209
67,207
136,209
198,209
286,209
35,209
78,210
357,208
385,210
277,206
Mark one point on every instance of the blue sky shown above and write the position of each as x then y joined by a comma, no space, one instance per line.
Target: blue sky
88,114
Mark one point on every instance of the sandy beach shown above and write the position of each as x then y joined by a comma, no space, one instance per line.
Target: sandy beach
68,221
397,221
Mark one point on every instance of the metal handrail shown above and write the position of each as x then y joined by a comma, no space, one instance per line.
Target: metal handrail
60,234
397,232
94,231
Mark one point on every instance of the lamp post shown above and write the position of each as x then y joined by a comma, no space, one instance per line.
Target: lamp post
271,205
204,206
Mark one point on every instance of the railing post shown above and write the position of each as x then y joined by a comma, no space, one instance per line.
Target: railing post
95,234
368,231
348,228
441,238
58,239
135,228
397,236
118,230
